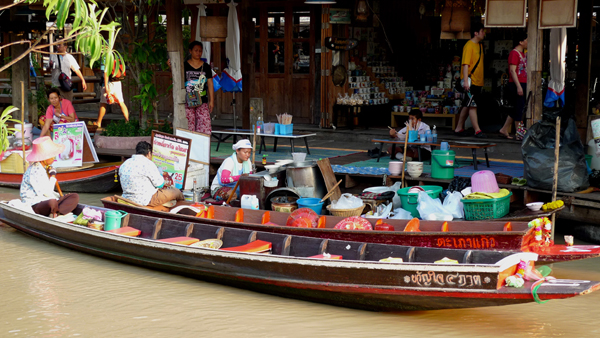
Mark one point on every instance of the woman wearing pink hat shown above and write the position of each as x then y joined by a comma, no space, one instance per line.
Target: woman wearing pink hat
230,171
37,187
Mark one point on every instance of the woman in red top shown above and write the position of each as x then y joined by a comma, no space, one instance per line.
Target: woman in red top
517,82
59,111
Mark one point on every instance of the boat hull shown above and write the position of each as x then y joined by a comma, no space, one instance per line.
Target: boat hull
355,284
93,180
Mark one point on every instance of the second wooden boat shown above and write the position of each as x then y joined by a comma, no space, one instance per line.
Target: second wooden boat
97,179
480,235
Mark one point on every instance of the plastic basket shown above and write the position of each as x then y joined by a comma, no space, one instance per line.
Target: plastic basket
284,129
486,208
346,212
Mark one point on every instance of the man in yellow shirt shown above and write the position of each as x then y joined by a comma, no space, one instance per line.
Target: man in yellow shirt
472,68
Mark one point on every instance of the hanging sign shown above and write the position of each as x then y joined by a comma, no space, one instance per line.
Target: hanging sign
334,43
339,16
171,153
77,141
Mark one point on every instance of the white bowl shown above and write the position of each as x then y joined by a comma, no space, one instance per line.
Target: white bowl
535,206
272,168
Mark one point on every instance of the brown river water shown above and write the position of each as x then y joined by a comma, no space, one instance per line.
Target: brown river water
49,291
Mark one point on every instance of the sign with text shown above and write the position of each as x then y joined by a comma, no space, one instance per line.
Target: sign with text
170,153
75,137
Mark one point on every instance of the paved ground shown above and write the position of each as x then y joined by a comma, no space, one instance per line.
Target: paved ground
360,139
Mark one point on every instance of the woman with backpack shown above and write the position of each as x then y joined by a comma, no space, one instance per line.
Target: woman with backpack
112,92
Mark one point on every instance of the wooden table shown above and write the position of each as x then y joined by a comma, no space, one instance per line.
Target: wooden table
468,145
223,135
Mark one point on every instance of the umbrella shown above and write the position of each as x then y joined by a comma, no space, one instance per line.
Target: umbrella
206,47
231,78
556,86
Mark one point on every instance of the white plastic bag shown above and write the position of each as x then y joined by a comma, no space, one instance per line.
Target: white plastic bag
347,201
453,203
378,190
383,211
401,214
432,209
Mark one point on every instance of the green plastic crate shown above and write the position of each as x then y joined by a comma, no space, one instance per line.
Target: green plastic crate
486,208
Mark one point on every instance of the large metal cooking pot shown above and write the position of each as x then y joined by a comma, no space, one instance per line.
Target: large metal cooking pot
306,178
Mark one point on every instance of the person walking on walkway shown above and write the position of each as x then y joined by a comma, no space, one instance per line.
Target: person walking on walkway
63,62
112,93
517,82
472,76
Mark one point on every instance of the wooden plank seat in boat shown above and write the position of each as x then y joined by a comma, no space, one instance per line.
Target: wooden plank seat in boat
255,246
126,231
123,200
327,256
180,240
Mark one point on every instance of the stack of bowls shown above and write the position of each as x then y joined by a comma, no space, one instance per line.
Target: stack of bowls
414,169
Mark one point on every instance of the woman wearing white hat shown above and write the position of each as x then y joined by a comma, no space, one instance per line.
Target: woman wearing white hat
37,187
231,169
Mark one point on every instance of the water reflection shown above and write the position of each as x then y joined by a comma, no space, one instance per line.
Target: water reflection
50,291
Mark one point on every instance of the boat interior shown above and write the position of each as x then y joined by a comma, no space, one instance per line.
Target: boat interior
241,240
230,214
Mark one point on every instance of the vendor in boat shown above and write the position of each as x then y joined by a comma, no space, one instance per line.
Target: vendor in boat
37,187
142,182
230,171
415,123
59,111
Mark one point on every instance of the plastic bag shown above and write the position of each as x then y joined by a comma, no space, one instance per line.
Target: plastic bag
453,203
538,153
432,209
401,214
347,201
383,211
396,200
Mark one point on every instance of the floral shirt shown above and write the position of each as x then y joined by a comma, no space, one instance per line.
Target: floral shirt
36,186
140,179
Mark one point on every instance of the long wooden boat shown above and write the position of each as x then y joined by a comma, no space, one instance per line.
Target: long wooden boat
97,179
480,235
299,267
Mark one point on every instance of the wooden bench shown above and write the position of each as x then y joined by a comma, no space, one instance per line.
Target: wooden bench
473,146
425,115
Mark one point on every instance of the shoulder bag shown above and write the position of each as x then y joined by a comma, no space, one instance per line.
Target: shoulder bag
64,80
458,84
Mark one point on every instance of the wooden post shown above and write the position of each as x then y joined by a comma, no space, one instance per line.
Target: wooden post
175,50
23,124
247,62
535,42
584,55
555,176
20,73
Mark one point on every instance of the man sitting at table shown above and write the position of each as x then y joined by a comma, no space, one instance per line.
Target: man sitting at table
412,151
142,182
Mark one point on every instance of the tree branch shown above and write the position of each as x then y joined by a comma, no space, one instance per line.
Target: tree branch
11,5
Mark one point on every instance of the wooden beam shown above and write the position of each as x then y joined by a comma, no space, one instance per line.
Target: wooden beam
584,66
175,50
535,40
247,53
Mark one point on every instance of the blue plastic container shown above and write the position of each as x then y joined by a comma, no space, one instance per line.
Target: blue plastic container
310,202
284,129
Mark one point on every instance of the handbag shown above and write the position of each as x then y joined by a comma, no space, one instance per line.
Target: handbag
64,80
193,99
520,125
458,84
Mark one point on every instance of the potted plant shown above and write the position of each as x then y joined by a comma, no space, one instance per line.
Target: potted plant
122,135
5,130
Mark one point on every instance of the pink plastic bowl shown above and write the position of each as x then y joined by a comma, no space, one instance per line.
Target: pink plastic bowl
484,181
